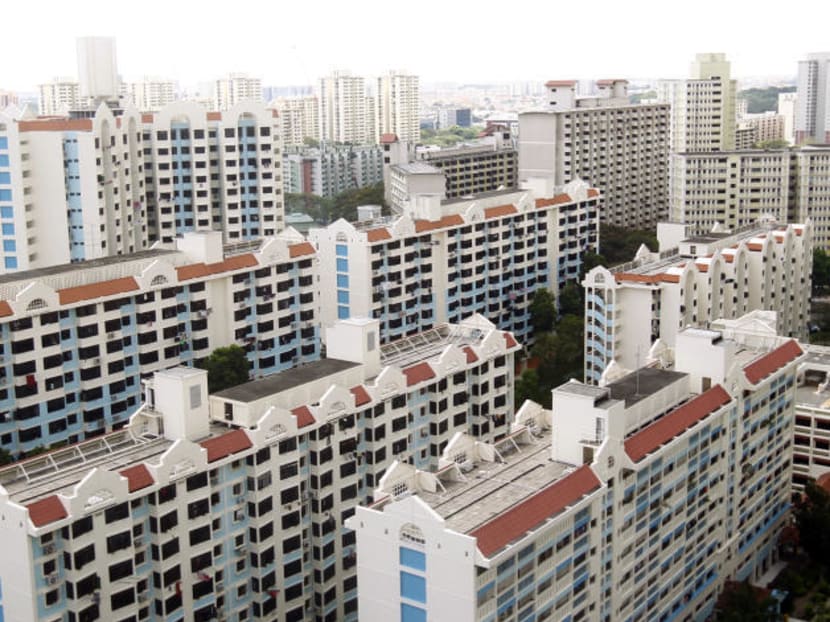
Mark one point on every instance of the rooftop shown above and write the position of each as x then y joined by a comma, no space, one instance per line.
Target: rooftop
640,384
277,383
417,168
430,343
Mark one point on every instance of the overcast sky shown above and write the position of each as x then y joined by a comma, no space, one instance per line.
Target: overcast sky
296,41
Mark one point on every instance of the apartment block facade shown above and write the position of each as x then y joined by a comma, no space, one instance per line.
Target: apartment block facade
346,113
58,96
150,94
398,106
232,506
736,188
613,145
234,89
441,261
634,312
651,494
812,112
76,339
299,119
329,170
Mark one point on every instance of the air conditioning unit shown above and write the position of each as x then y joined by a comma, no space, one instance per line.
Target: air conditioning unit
138,541
52,580
49,549
306,544
96,361
240,499
110,335
241,550
143,597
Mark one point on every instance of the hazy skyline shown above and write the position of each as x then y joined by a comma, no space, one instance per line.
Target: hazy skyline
439,41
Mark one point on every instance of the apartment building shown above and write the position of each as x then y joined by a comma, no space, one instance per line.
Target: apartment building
77,338
328,170
812,112
746,136
214,171
440,261
637,500
232,506
768,126
448,117
234,89
398,106
634,312
735,188
150,94
58,96
299,119
346,113
786,108
614,145
702,106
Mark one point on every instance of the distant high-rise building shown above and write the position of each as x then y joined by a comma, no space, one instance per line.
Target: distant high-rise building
59,96
812,119
97,68
150,94
273,92
619,147
7,98
299,118
343,111
234,89
331,169
397,106
448,117
702,106
787,103
767,126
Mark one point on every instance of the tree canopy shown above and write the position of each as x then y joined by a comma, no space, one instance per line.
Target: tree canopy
821,270
328,209
812,517
763,100
619,245
449,136
226,367
740,602
542,311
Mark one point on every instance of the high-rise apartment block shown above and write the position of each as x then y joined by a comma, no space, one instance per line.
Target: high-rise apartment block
345,116
76,339
150,94
442,261
634,312
812,118
702,107
652,493
449,117
736,188
232,506
766,126
97,69
299,119
614,145
236,88
331,169
786,108
59,96
397,107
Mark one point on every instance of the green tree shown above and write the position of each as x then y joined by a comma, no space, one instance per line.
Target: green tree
542,311
620,245
812,517
763,100
226,367
528,388
570,299
821,270
740,602
772,144
5,456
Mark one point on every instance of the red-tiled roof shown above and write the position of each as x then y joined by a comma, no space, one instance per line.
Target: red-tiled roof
511,342
304,416
500,210
632,277
755,246
46,511
303,248
773,361
147,117
361,395
138,477
225,445
418,373
378,235
532,512
559,199
593,192
5,309
639,445
55,125
703,266
214,116
388,138
454,220
552,83
472,357
97,290
196,270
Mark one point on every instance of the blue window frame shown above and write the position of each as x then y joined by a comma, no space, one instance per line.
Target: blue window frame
341,250
5,194
413,587
6,212
8,228
5,178
342,313
11,263
4,160
10,246
343,281
4,142
412,614
342,297
413,559
342,265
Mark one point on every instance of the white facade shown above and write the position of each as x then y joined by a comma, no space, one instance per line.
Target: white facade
634,312
151,94
236,88
666,506
787,103
397,107
59,96
812,118
331,169
702,107
299,119
97,68
344,115
767,126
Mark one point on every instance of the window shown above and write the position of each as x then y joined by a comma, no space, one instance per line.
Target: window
342,264
412,614
413,559
343,281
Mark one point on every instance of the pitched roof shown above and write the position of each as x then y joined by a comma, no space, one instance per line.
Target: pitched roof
418,373
214,116
593,192
453,220
499,210
472,357
633,277
303,248
639,445
559,199
304,416
147,117
55,125
377,235
511,342
138,477
46,511
97,290
535,510
388,138
230,443
361,395
5,309
551,83
772,361
197,270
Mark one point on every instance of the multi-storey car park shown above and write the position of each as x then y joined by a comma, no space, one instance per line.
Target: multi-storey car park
443,260
629,308
75,339
636,500
232,506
